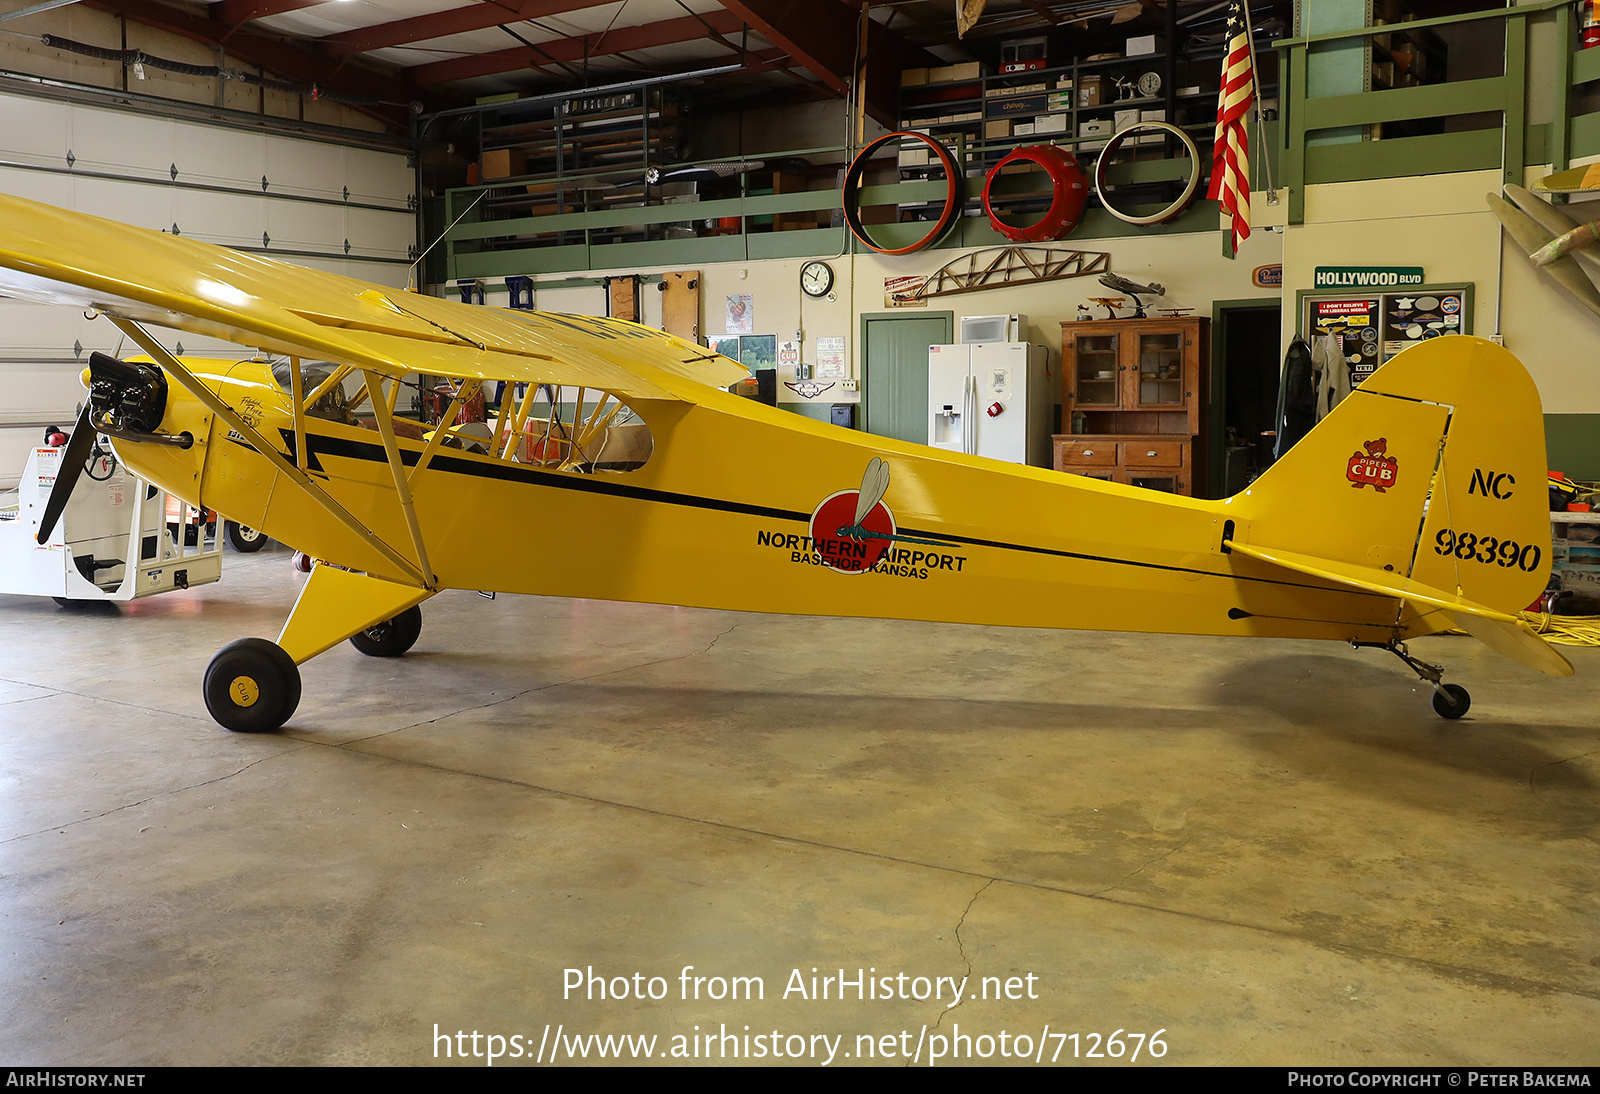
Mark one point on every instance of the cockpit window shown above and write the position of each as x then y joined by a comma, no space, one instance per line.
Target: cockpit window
332,405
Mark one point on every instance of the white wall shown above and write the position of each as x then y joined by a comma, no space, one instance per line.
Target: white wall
1443,224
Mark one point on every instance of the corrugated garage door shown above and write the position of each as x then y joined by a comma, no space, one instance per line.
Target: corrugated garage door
345,209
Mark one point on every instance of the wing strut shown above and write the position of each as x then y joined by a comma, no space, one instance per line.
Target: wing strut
222,410
380,408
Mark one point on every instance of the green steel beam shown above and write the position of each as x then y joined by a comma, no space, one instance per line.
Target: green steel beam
1403,103
1292,75
756,205
1566,66
1585,65
1521,11
1441,153
1513,150
802,243
1585,135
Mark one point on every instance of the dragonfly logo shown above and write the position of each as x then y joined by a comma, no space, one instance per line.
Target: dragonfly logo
851,529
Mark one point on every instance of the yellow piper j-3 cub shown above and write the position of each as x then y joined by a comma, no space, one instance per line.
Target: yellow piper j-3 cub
616,467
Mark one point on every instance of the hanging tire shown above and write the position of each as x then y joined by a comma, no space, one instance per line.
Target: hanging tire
392,637
252,686
245,539
1457,703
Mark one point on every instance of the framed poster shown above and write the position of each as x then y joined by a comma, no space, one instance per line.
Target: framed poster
758,351
831,363
1374,326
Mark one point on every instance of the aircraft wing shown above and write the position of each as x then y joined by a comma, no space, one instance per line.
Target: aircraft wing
1533,223
51,255
1575,180
1501,632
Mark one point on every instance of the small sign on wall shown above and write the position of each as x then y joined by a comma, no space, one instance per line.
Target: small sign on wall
831,363
1367,277
904,292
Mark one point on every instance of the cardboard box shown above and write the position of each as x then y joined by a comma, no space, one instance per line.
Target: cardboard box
1017,106
997,129
1019,89
971,70
1124,118
1050,123
913,77
503,163
1099,129
1148,44
915,157
941,75
1090,90
1022,129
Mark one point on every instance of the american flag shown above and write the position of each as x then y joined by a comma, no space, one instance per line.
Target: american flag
1230,168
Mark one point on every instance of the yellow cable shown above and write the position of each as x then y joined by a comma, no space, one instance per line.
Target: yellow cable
1567,630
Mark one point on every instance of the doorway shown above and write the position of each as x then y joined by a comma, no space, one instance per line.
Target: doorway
1245,367
894,371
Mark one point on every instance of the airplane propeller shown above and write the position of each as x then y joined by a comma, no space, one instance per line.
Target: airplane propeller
72,465
125,400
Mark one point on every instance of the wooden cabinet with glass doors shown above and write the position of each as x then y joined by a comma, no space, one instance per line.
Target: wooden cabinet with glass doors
1133,399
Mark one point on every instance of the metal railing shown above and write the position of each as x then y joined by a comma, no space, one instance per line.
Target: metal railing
1515,143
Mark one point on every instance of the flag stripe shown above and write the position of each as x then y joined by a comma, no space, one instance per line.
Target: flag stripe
1230,157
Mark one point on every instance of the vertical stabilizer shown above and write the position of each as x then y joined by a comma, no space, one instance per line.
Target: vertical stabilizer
1433,469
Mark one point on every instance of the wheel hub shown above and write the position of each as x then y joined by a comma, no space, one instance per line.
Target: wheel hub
244,691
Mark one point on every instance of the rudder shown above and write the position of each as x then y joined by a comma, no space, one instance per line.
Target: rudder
1433,468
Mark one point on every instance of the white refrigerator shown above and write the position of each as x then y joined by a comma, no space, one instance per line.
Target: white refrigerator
992,399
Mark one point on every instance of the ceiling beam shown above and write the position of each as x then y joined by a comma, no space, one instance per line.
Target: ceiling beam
821,34
437,24
567,50
231,13
281,58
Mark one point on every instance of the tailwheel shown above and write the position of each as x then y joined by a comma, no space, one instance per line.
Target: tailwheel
1451,701
392,637
252,686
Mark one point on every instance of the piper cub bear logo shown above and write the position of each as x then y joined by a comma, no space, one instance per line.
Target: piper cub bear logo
1372,468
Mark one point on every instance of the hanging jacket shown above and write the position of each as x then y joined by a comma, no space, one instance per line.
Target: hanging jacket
1333,373
1297,398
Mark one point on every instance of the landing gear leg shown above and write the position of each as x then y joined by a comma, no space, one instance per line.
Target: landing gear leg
1449,700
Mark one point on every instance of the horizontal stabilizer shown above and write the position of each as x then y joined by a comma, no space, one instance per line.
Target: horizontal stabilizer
1501,632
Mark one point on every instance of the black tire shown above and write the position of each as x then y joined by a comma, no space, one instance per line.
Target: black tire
1456,705
392,637
252,686
245,539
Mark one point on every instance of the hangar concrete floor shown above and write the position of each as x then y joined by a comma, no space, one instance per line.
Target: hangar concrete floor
1271,852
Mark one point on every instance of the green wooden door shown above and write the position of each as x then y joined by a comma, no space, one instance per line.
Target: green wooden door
894,371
